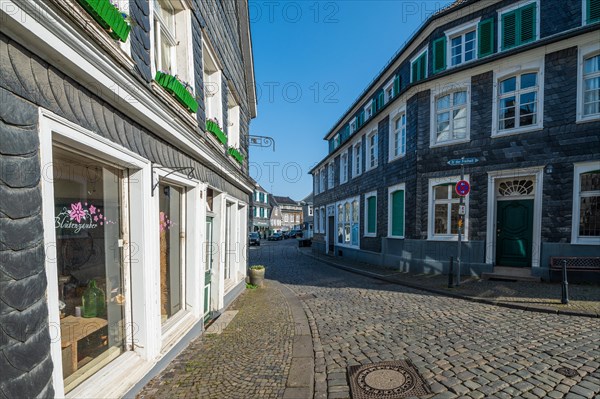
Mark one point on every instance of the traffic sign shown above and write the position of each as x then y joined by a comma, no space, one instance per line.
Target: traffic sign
462,188
462,161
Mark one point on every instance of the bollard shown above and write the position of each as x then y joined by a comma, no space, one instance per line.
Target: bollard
451,273
565,285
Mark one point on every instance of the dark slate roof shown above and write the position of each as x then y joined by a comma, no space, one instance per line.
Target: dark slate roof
284,200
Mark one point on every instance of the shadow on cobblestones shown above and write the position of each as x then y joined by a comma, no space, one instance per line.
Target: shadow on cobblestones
250,359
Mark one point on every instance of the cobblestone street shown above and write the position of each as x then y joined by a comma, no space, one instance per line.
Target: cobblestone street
462,349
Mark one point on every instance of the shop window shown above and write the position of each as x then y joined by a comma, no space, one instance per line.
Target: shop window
92,299
171,244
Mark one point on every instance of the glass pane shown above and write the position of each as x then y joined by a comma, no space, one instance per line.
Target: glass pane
508,85
441,192
460,98
340,233
590,181
355,234
441,219
591,64
87,201
347,213
528,80
169,204
589,216
355,212
454,219
165,54
347,233
443,102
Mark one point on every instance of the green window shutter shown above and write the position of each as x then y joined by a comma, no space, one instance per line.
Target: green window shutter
361,118
527,23
398,213
381,98
592,11
371,214
414,76
374,105
486,37
439,54
509,30
396,86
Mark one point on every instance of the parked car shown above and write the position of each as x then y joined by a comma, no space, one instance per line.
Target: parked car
296,233
286,234
275,237
254,239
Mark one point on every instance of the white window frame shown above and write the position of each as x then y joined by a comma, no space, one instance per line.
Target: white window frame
585,51
322,180
368,108
416,57
536,65
337,221
331,175
366,213
392,134
513,7
344,166
368,165
316,182
389,85
322,223
580,168
213,97
353,124
431,236
461,30
435,94
392,190
357,160
233,120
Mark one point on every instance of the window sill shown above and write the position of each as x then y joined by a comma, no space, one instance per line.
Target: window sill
390,160
446,238
337,244
395,237
587,119
372,235
449,143
586,241
175,328
371,168
520,130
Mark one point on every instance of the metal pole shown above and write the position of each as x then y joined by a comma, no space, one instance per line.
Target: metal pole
565,285
460,224
451,273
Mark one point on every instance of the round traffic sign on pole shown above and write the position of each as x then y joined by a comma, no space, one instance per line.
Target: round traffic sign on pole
462,188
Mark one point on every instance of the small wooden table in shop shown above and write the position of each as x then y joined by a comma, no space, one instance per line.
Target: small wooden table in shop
73,329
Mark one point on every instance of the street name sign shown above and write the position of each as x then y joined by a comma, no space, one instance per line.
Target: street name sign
462,161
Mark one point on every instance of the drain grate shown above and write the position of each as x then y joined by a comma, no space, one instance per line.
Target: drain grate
386,380
567,372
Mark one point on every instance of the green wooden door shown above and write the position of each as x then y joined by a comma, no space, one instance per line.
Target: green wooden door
514,233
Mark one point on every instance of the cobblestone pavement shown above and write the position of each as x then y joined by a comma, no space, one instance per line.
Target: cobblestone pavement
584,299
463,349
250,359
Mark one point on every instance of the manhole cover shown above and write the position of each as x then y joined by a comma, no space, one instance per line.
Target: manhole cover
567,372
386,380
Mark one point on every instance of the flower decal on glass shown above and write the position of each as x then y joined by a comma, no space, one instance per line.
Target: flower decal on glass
76,212
165,222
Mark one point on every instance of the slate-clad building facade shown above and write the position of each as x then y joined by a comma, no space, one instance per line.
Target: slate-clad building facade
124,187
514,84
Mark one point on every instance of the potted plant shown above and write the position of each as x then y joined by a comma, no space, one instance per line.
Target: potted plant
257,275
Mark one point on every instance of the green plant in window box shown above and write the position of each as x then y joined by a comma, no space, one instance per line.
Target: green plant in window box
182,91
212,125
109,17
235,153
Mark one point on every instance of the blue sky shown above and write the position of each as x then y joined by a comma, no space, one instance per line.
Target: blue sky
312,59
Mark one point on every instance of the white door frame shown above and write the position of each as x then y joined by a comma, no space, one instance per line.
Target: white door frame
538,176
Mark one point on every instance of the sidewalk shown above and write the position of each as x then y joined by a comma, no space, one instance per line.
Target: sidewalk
266,351
584,300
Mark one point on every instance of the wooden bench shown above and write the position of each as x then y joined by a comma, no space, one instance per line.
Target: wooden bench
588,264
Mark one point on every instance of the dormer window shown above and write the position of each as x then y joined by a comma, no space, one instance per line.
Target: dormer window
353,125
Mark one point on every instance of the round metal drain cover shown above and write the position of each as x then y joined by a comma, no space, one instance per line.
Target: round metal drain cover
566,371
385,380
389,380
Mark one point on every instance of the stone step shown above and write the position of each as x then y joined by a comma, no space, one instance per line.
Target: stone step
510,277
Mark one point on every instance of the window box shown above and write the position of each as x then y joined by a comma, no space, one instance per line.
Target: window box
214,128
109,17
178,89
236,154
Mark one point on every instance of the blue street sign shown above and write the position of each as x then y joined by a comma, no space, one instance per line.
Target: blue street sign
462,161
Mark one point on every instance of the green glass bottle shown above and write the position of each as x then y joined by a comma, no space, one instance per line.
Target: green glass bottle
93,299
